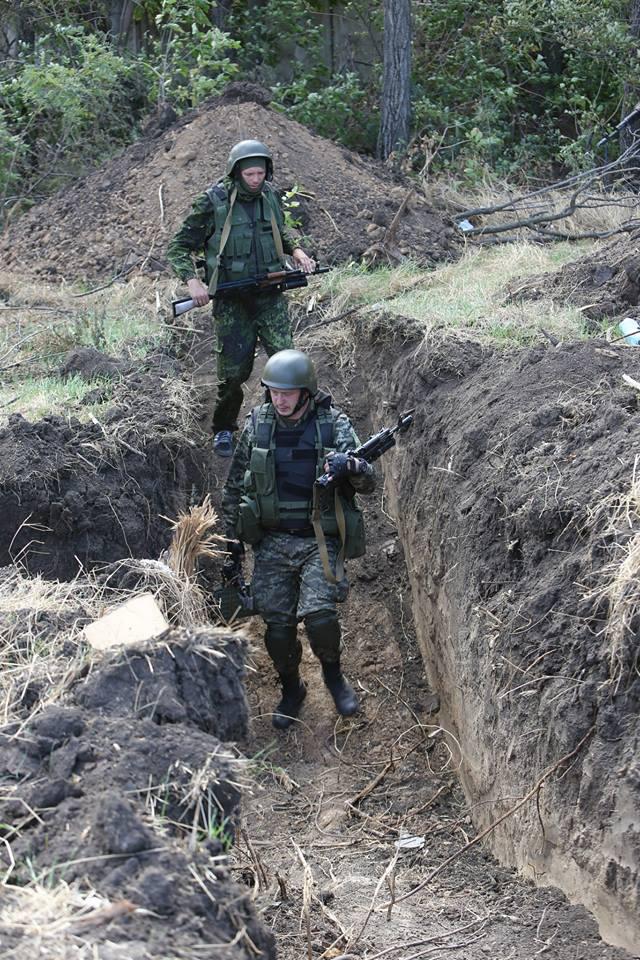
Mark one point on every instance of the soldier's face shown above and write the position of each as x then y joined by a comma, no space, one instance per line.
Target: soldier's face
253,177
285,402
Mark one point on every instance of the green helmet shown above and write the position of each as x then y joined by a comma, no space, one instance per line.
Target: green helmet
290,370
249,148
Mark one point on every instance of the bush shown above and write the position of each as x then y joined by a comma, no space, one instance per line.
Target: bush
68,102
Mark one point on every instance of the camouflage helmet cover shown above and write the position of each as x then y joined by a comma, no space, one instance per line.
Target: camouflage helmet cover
249,148
290,370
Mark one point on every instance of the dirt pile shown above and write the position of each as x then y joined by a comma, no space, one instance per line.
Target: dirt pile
515,494
604,283
101,788
121,217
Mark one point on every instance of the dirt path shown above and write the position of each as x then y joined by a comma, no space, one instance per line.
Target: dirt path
334,796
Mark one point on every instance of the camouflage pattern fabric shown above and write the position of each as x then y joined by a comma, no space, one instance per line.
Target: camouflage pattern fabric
288,579
240,322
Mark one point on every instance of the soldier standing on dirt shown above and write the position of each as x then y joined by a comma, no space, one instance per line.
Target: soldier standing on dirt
298,540
239,226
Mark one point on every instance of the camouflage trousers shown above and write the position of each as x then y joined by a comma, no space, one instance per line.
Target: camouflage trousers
239,323
289,585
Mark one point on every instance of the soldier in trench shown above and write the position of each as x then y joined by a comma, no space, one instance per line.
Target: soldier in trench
238,225
299,532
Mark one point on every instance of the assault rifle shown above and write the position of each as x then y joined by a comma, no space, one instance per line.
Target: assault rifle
375,446
280,280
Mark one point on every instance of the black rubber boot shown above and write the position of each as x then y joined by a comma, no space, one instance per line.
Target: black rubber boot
344,696
293,693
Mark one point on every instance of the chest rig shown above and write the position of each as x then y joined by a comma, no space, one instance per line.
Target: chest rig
246,240
284,464
281,494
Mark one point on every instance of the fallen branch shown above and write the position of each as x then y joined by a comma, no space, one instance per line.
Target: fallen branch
370,787
496,823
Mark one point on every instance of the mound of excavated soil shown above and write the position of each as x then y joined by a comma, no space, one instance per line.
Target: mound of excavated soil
517,506
100,788
121,217
605,283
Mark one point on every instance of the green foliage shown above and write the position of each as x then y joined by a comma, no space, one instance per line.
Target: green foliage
68,101
189,58
516,86
290,204
339,109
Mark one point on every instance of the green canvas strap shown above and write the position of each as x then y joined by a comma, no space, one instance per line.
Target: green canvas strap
226,230
330,576
275,229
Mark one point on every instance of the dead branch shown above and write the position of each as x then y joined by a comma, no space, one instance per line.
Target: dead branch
492,826
370,787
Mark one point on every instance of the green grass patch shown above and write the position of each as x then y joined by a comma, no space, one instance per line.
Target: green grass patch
37,397
471,295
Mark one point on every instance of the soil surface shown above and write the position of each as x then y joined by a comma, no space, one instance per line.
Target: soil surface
343,816
106,789
605,283
120,218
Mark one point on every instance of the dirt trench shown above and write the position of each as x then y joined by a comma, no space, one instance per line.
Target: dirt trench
512,500
354,836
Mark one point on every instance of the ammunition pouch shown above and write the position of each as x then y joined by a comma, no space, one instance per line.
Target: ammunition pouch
249,528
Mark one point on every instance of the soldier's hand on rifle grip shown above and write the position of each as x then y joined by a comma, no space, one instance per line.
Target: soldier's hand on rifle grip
198,292
340,465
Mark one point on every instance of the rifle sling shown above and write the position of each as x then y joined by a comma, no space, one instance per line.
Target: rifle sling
321,539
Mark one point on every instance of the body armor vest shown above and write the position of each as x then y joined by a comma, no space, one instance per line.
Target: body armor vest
250,250
279,484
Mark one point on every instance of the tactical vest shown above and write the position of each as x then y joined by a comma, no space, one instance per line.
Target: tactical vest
250,249
279,481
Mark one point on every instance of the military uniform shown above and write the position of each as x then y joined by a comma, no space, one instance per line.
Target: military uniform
256,244
268,502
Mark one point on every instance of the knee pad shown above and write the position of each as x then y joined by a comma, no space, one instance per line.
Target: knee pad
283,646
323,630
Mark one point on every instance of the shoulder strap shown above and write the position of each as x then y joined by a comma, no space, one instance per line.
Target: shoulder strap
269,193
264,421
226,230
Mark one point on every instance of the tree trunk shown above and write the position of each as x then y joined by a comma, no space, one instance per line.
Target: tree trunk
395,112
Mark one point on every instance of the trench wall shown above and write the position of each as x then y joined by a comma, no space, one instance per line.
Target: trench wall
500,491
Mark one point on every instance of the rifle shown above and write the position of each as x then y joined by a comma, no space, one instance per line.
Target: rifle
375,446
280,280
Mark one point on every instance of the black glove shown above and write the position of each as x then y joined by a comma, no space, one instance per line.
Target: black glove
345,464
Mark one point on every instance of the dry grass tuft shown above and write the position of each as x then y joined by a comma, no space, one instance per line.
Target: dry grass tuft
618,582
42,648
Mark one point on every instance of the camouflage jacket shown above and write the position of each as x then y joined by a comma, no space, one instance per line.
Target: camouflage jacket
345,439
202,228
